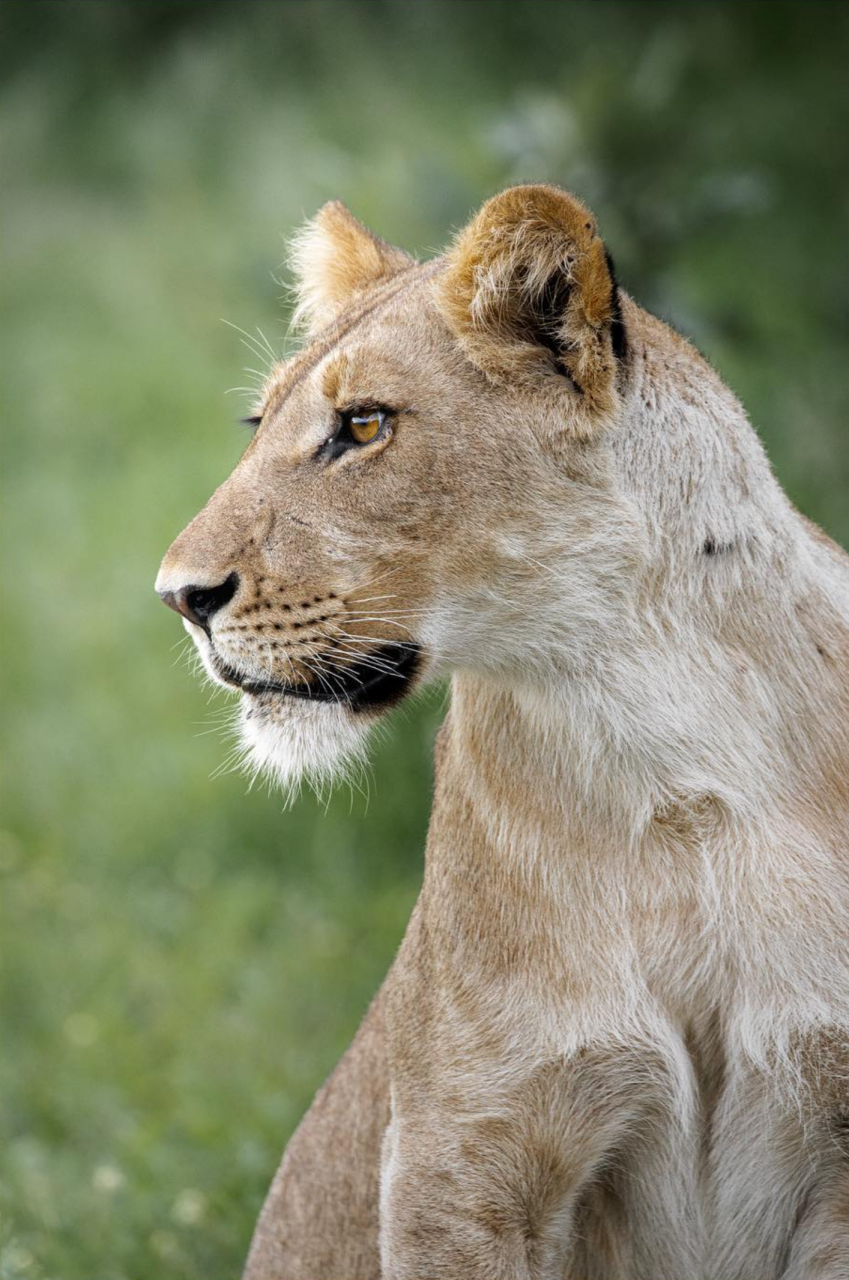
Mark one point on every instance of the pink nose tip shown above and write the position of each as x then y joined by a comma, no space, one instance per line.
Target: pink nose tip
198,604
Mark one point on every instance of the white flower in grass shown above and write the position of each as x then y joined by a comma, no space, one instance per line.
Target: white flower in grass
107,1179
189,1208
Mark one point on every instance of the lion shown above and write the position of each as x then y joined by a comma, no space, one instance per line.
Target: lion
614,1044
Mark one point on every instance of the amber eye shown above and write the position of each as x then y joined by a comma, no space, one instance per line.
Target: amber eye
366,427
356,428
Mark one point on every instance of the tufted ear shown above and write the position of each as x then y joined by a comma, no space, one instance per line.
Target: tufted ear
530,293
333,257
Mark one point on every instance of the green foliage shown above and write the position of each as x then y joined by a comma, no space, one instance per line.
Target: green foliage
184,962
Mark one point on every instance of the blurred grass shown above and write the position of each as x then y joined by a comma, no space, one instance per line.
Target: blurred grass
183,964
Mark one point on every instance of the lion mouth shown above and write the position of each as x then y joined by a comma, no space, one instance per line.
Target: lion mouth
378,679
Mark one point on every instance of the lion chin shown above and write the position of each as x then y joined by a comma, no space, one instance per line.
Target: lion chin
291,741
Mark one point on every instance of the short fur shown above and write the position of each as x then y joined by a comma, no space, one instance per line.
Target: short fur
614,1044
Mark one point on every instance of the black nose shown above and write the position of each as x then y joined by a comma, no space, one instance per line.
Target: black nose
198,604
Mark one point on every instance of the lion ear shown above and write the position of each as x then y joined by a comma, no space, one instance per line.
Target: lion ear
332,258
529,291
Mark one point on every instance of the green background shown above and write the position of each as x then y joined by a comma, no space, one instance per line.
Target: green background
185,962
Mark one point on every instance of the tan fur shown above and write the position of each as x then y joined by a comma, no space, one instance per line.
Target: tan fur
494,288
615,1042
333,258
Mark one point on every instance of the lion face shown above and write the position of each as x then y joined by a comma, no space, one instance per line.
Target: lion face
391,518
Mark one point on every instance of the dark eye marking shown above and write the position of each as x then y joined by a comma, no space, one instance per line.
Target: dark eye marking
357,427
251,423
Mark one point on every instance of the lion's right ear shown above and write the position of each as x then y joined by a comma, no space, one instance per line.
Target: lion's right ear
333,257
529,292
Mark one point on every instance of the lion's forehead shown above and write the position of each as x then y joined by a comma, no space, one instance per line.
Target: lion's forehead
367,353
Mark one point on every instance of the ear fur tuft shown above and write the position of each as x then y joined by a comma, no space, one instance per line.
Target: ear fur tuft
333,257
531,296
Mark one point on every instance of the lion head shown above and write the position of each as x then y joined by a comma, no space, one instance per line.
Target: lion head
428,487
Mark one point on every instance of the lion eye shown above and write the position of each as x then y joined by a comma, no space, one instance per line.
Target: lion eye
366,428
356,427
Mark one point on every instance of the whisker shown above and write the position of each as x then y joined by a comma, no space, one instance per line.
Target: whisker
391,595
368,660
368,664
249,341
320,676
341,634
267,344
388,622
385,616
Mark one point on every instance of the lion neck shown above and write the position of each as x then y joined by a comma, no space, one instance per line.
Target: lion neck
706,684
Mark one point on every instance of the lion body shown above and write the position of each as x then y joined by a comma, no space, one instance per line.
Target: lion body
614,1044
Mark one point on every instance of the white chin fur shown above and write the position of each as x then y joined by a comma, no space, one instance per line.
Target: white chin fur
291,742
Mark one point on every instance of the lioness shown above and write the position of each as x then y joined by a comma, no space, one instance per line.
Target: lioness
615,1041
